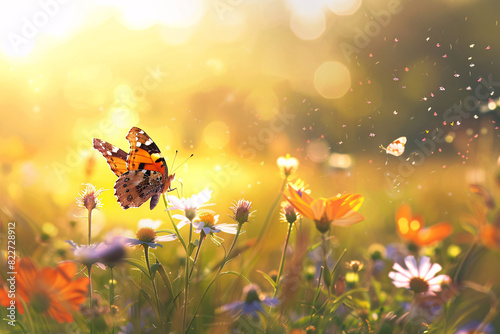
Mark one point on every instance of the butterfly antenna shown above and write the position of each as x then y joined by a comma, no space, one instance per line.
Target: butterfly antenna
175,156
182,163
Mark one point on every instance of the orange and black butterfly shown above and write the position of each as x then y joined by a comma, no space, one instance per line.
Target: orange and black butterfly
142,173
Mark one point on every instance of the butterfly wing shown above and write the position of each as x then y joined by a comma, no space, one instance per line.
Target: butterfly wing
116,158
135,187
397,147
144,154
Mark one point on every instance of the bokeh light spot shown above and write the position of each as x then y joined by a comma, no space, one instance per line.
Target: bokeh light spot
415,225
318,150
332,79
308,27
216,134
343,7
403,225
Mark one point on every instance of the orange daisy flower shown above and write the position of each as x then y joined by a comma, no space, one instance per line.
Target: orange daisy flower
411,229
51,291
339,211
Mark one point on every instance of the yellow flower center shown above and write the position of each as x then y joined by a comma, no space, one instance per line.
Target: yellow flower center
207,218
146,234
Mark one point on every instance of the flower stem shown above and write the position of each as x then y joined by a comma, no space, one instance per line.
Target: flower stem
327,270
173,224
146,257
462,261
90,224
112,296
186,280
282,262
216,275
89,267
270,213
196,256
90,286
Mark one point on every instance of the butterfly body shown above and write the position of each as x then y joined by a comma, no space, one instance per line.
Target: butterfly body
142,173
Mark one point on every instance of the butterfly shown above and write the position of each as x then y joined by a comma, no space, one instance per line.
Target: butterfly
395,148
142,173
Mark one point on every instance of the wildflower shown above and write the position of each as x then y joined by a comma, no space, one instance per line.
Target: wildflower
51,291
418,278
252,303
289,214
241,211
190,206
355,265
300,186
287,165
89,198
339,211
207,225
411,228
146,235
88,255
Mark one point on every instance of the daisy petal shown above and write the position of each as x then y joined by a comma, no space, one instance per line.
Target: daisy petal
433,271
425,265
399,277
438,279
411,264
165,238
401,270
401,284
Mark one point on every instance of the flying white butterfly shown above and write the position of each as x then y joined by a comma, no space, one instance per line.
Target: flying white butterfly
395,148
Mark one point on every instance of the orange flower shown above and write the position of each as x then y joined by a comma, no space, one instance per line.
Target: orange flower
490,236
51,291
411,228
339,211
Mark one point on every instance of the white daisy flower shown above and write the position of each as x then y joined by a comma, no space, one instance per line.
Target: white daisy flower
208,224
418,278
189,205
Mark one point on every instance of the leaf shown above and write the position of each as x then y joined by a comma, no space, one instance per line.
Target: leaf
154,268
237,274
268,278
147,297
165,231
138,264
191,248
166,280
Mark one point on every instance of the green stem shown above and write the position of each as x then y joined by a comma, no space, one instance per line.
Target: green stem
146,257
462,261
270,213
90,224
112,296
327,270
173,224
90,286
412,305
282,262
196,256
216,275
89,267
186,280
